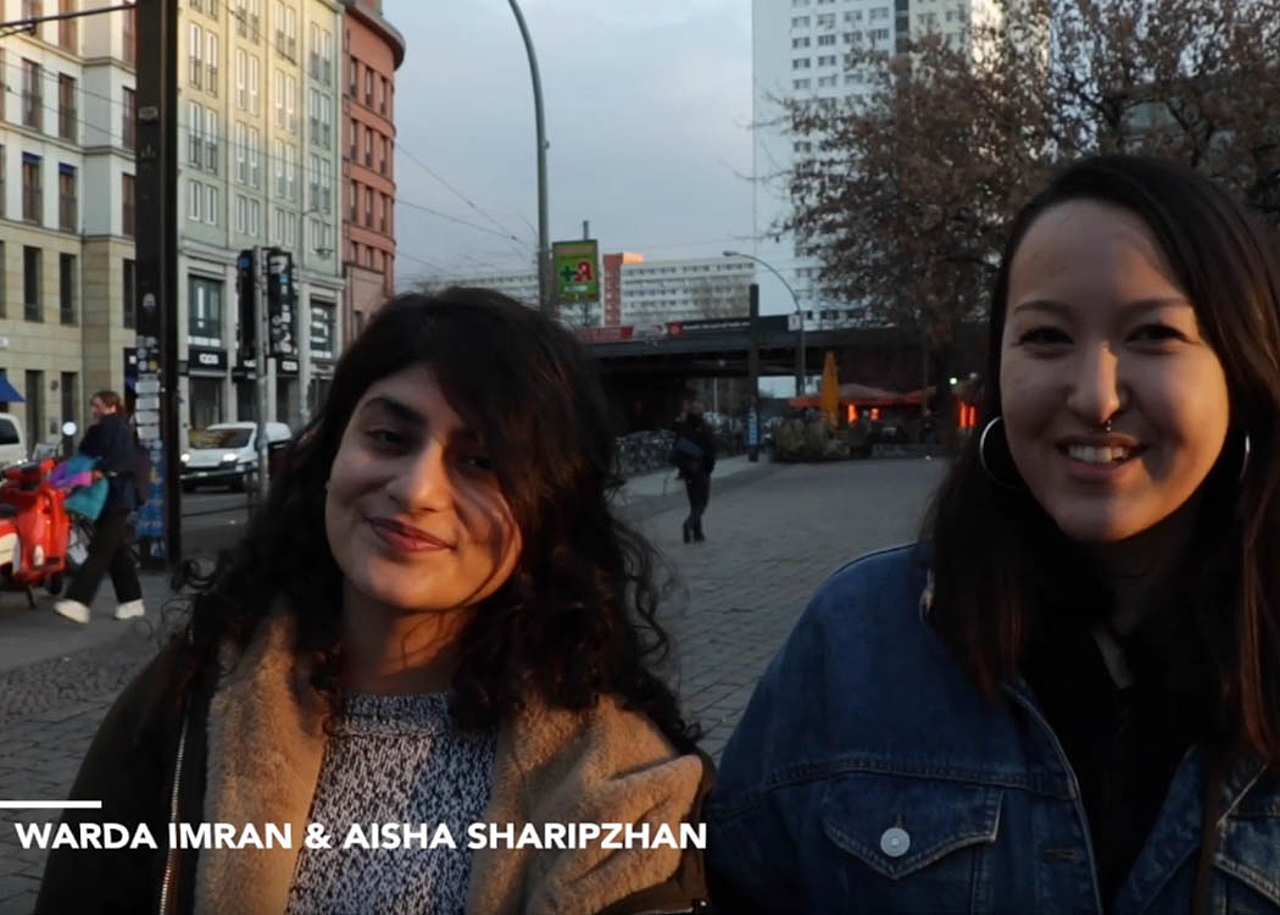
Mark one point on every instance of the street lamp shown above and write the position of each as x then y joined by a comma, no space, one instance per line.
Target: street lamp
800,360
544,247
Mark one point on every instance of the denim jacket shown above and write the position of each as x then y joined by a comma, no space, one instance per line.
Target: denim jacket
868,774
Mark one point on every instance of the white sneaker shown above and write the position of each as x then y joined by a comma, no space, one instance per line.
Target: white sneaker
72,610
131,610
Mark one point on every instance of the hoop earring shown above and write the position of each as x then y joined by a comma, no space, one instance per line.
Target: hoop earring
1244,464
982,455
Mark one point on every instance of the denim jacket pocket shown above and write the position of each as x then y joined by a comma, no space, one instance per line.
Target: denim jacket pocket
1249,851
898,825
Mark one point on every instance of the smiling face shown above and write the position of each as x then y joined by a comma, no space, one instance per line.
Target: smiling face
413,512
1096,329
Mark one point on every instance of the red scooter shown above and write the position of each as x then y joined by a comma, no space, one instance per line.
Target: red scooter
34,530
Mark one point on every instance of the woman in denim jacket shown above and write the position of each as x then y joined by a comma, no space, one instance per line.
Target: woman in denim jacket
1067,697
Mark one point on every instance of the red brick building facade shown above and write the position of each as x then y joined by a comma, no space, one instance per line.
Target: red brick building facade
373,50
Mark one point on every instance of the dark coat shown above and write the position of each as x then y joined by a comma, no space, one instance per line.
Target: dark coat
700,434
111,441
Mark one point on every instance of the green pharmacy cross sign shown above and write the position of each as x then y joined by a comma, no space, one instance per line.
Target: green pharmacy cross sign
577,270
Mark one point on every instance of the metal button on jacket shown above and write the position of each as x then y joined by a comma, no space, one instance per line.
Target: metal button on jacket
895,842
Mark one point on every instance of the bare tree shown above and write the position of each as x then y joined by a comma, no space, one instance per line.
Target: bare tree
907,195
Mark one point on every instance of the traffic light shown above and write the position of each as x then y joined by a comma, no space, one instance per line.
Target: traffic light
244,294
281,303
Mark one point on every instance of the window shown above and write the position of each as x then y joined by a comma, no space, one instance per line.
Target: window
255,218
326,58
66,107
799,43
879,13
353,193
253,85
800,84
195,134
195,200
384,163
211,205
382,99
129,119
242,153
800,63
128,206
35,405
826,82
281,184
326,122
799,22
827,21
67,27
67,210
33,9
129,37
827,60
242,80
4,270
355,140
204,307
129,293
211,132
852,37
878,34
368,206
853,16
211,63
353,76
67,288
32,192
368,147
254,137
195,56
826,40
31,265
313,174
291,103
242,215
32,95
368,87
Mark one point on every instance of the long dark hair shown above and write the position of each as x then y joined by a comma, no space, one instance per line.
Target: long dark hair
992,544
577,617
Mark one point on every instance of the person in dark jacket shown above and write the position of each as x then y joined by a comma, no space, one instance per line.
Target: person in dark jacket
694,454
110,440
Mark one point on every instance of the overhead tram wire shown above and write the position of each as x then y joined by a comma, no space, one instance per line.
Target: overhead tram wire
269,157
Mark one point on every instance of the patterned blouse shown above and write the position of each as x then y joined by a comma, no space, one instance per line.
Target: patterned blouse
393,762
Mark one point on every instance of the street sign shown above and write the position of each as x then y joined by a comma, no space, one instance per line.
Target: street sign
793,321
577,266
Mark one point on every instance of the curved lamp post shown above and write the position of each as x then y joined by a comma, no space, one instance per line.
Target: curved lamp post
544,247
800,355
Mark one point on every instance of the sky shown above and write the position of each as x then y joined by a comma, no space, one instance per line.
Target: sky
648,111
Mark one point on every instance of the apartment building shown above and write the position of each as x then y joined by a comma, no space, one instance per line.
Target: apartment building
66,255
259,165
372,51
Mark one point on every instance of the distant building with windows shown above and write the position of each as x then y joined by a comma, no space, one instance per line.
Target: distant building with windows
372,51
799,50
259,165
67,213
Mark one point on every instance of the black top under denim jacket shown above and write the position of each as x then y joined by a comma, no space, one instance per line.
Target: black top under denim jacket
1125,743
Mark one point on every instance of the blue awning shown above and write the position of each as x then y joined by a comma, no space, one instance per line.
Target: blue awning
8,393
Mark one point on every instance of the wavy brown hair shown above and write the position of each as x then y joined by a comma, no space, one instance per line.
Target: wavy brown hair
995,551
577,617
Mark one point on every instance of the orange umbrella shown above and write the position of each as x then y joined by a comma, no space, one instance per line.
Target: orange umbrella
829,391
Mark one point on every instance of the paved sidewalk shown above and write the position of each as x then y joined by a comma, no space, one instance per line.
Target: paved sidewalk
774,532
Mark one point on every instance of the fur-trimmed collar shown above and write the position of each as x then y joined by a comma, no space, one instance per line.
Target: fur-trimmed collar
266,745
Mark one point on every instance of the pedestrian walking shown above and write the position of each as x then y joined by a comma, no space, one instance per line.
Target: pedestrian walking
435,619
694,455
1066,696
110,439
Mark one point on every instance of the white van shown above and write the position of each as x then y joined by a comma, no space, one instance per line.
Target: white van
226,454
13,445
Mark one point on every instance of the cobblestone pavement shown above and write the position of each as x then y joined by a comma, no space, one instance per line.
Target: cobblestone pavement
774,533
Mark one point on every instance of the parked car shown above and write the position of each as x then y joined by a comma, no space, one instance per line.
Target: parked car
13,445
226,454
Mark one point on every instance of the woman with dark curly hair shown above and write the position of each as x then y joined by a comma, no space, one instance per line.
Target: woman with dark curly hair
436,619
